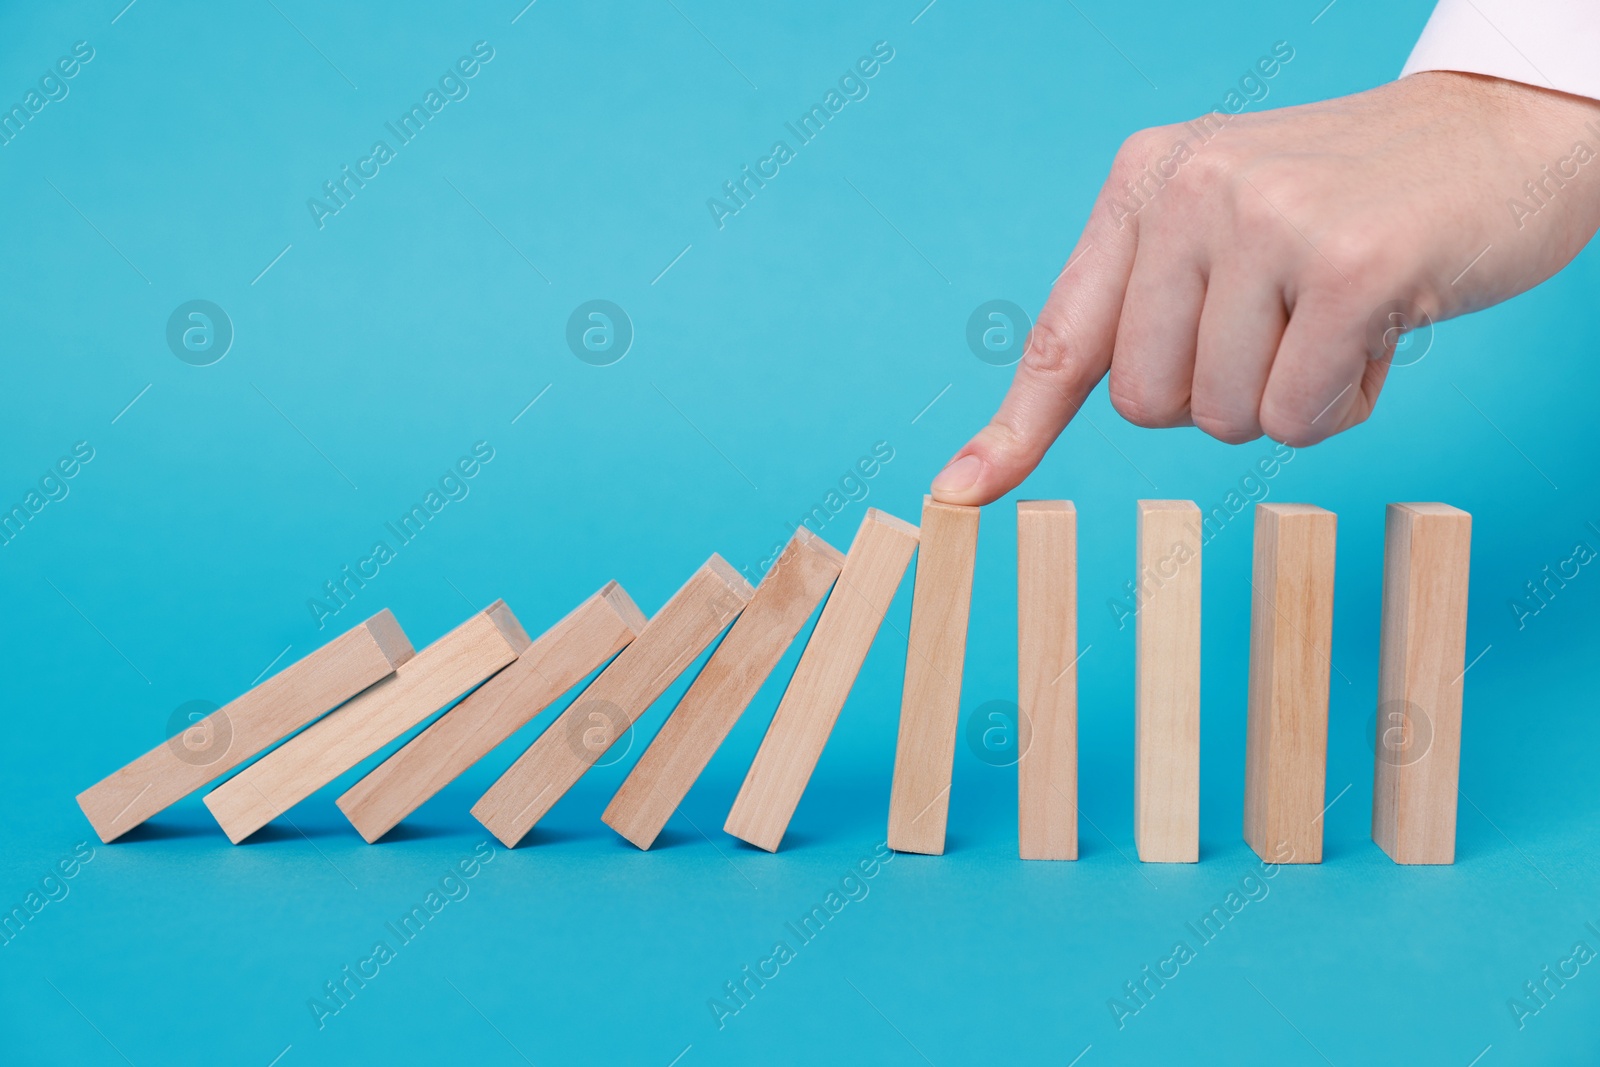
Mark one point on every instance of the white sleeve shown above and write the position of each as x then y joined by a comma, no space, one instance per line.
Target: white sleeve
1550,43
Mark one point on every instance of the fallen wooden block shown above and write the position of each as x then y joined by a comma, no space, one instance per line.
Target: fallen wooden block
930,703
1166,774
1047,680
784,600
668,644
244,726
562,657
827,670
316,756
1421,674
1291,648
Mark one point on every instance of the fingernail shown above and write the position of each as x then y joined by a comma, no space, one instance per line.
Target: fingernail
959,476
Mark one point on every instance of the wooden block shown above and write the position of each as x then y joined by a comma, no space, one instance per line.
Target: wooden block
244,726
827,670
1291,645
1166,774
669,643
316,756
686,742
1047,680
930,702
1421,674
562,657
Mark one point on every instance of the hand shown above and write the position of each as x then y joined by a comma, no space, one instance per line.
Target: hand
1229,278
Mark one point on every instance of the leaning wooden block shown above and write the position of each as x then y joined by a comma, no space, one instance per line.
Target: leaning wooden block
686,742
1047,680
930,703
1166,773
669,643
1421,673
827,670
311,759
562,657
243,727
1291,645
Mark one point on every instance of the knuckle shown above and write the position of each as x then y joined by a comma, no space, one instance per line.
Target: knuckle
1259,218
1136,150
1292,422
1143,167
999,444
1229,427
1131,409
1141,401
1366,403
1358,252
1047,351
1210,173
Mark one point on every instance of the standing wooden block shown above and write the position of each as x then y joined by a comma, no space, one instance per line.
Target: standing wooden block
930,703
669,643
1291,648
1166,775
1047,680
686,742
827,670
316,756
239,729
1426,557
562,657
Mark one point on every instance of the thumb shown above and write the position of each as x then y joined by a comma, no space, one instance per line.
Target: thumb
1067,353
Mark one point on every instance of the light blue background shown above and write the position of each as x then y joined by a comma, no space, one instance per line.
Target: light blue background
822,319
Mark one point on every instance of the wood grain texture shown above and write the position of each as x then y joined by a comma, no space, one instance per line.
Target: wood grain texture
1047,680
712,597
563,656
1166,806
316,756
246,725
784,600
1291,645
1421,675
822,681
930,702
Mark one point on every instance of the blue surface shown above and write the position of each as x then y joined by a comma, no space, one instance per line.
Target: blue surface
826,316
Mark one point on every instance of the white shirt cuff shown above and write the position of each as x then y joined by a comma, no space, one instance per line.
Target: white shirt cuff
1554,44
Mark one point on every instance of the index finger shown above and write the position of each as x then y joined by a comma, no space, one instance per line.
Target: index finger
1067,353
